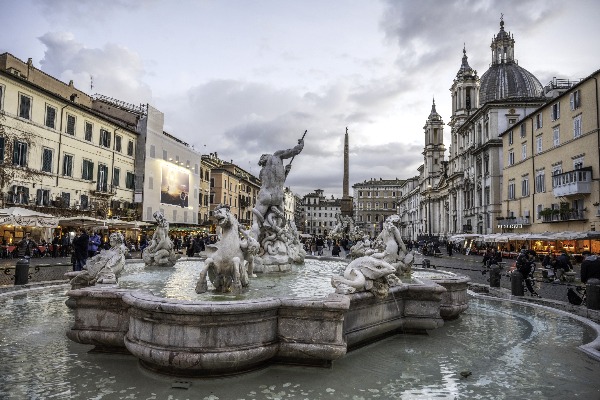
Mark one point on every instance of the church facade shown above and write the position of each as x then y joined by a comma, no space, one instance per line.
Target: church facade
463,193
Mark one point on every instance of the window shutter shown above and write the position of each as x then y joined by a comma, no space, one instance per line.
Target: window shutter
15,152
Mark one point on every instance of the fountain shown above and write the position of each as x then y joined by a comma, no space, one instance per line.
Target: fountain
278,239
207,338
160,251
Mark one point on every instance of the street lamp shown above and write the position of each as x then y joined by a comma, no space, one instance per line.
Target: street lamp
429,209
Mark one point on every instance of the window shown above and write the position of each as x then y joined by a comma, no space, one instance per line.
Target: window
577,126
578,163
523,151
152,151
510,137
24,106
511,189
556,136
2,149
555,111
104,138
130,150
47,160
102,182
42,197
575,100
165,155
87,172
118,140
116,177
540,184
19,153
84,202
1,97
129,180
66,196
67,165
538,121
71,124
88,131
523,130
50,121
525,186
21,194
556,170
538,144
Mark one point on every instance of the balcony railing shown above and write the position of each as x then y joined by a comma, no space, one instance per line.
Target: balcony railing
572,183
576,215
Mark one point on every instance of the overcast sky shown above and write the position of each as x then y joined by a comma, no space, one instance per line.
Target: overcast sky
243,77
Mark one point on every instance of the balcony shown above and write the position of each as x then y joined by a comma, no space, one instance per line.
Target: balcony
104,190
562,216
572,183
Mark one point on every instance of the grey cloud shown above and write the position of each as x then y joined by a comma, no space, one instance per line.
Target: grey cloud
116,71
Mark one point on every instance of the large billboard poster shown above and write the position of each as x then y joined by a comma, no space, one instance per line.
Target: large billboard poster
175,186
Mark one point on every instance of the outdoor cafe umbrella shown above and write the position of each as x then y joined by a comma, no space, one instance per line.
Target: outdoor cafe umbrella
82,222
24,217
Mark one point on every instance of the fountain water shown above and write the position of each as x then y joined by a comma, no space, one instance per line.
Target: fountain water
509,349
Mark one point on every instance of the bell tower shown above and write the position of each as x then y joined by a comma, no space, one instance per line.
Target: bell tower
434,147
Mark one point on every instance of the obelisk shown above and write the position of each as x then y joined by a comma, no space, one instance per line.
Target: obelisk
346,206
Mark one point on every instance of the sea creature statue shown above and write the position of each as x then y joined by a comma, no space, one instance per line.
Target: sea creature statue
380,267
226,264
269,225
104,267
295,249
366,274
160,250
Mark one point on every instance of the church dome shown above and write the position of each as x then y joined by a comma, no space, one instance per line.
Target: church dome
506,79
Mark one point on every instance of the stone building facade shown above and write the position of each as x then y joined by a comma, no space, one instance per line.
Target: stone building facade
60,154
374,201
551,163
232,185
320,213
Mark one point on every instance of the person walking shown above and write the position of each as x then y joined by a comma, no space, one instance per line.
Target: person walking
526,266
320,244
80,249
55,245
590,267
94,244
26,247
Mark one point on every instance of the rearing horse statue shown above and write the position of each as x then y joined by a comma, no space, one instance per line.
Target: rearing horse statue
226,266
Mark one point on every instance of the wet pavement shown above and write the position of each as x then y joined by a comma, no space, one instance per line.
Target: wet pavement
495,350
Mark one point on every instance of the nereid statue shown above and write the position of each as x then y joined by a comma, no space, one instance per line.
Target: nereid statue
379,267
160,250
104,267
230,261
345,227
277,246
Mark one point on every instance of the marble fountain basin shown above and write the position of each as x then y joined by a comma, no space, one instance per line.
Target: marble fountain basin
180,333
